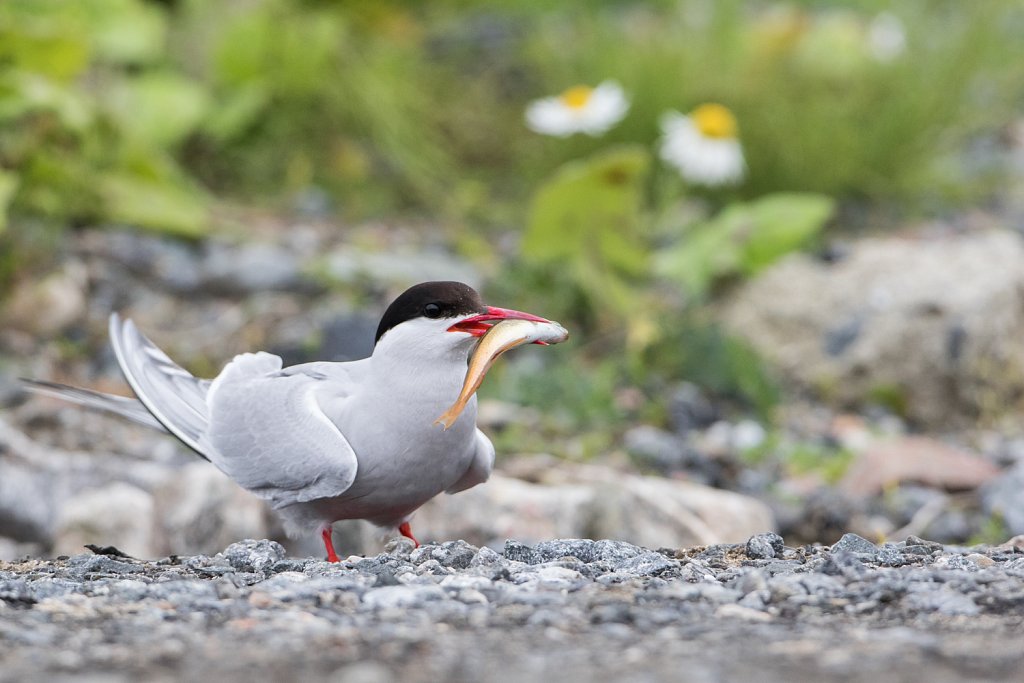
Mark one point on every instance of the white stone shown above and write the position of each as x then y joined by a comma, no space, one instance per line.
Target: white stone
117,514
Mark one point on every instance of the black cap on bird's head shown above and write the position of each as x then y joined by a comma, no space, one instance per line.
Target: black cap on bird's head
447,300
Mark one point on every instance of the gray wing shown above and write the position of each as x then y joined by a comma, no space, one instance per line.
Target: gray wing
174,397
270,434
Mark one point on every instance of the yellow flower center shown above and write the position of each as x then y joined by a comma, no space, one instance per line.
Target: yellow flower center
577,96
714,121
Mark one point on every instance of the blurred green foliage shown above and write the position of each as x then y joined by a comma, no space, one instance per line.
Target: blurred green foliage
396,105
146,112
91,115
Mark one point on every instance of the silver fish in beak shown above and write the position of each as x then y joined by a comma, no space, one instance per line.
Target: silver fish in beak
501,337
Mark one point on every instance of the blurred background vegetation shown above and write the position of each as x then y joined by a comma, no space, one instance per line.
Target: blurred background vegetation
151,114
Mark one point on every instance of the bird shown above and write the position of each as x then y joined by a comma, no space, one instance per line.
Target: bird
326,441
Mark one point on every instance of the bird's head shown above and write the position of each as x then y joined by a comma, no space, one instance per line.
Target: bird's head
438,319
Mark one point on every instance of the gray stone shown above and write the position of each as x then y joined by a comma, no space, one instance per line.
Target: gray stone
11,391
254,556
956,562
102,564
891,556
173,263
454,554
649,564
27,502
403,597
583,549
854,544
251,267
918,541
655,448
844,563
520,552
764,546
952,526
943,601
690,409
750,581
957,301
200,510
486,557
348,337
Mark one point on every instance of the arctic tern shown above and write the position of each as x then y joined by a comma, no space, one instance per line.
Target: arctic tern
327,441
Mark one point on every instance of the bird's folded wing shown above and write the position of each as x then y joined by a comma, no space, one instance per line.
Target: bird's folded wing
271,436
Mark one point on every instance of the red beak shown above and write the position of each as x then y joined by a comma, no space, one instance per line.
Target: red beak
478,325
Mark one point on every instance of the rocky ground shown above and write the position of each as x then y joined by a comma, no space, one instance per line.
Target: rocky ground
575,610
530,608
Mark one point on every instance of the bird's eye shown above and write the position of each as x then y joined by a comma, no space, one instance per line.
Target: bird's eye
432,311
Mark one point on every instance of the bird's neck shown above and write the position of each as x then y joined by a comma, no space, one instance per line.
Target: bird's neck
419,377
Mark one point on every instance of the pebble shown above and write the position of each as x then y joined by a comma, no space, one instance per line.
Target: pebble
571,590
854,544
764,546
254,556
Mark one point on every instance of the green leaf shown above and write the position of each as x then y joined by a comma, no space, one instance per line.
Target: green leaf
8,186
589,214
707,251
160,108
47,43
781,223
127,31
744,239
153,205
23,92
230,118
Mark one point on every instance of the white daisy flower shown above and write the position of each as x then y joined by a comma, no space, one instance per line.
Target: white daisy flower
580,109
703,146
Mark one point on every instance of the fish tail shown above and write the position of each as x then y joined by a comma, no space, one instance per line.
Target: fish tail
448,418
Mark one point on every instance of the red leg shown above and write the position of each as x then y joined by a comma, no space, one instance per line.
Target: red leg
329,544
406,531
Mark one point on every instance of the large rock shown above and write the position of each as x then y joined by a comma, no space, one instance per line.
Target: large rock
200,510
591,501
26,502
505,507
932,327
118,514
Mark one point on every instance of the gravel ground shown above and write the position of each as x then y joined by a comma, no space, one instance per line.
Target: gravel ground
575,610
